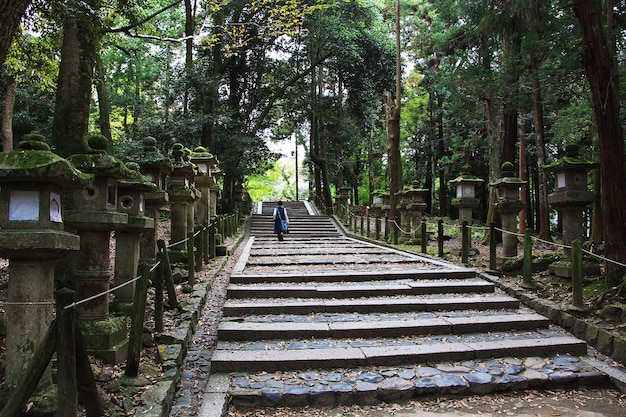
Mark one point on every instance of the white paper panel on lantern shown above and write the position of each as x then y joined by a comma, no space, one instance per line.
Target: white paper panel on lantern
24,206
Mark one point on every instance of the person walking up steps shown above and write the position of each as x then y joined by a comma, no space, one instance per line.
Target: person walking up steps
281,221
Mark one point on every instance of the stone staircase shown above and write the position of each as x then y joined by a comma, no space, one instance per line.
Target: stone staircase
321,320
304,221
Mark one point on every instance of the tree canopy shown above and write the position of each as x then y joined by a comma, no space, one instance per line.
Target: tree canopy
483,82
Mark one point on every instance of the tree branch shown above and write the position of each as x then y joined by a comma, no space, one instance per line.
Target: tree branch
126,29
280,91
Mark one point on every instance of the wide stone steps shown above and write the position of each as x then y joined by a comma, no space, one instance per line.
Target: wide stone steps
300,354
352,290
246,330
366,305
306,318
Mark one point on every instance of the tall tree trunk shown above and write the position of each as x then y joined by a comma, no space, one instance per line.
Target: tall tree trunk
392,119
104,104
441,151
543,216
370,163
603,79
523,175
11,12
78,54
189,30
7,114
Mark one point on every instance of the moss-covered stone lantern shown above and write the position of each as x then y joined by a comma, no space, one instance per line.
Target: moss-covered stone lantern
376,204
343,197
570,197
205,161
216,174
182,194
156,168
33,181
94,213
508,204
466,199
412,204
131,201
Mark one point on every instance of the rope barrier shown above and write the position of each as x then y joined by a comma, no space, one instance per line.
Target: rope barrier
603,258
171,245
400,229
552,243
110,290
485,228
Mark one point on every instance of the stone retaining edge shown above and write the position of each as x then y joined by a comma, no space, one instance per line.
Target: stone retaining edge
159,397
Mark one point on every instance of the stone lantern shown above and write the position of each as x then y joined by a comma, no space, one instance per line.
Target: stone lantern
508,204
466,198
215,189
570,198
385,207
131,200
412,205
182,195
94,213
377,203
343,197
156,168
32,238
205,161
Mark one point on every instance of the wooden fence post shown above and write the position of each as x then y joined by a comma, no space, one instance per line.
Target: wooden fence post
492,246
205,243
424,237
440,237
527,265
198,259
577,275
396,231
136,327
158,294
465,241
377,231
191,267
167,274
87,389
67,389
212,240
386,238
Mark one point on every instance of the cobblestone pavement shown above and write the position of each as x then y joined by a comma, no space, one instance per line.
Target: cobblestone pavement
197,366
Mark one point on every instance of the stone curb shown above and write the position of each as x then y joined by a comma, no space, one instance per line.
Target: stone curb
172,349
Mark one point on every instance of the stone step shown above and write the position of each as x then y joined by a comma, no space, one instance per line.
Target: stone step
244,330
353,275
367,305
368,385
341,353
349,290
290,250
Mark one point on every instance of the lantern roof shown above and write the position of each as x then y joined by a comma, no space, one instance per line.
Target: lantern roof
33,162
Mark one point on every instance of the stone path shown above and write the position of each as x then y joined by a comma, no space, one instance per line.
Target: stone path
321,319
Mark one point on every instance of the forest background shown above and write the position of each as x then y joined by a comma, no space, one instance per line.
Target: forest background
474,83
